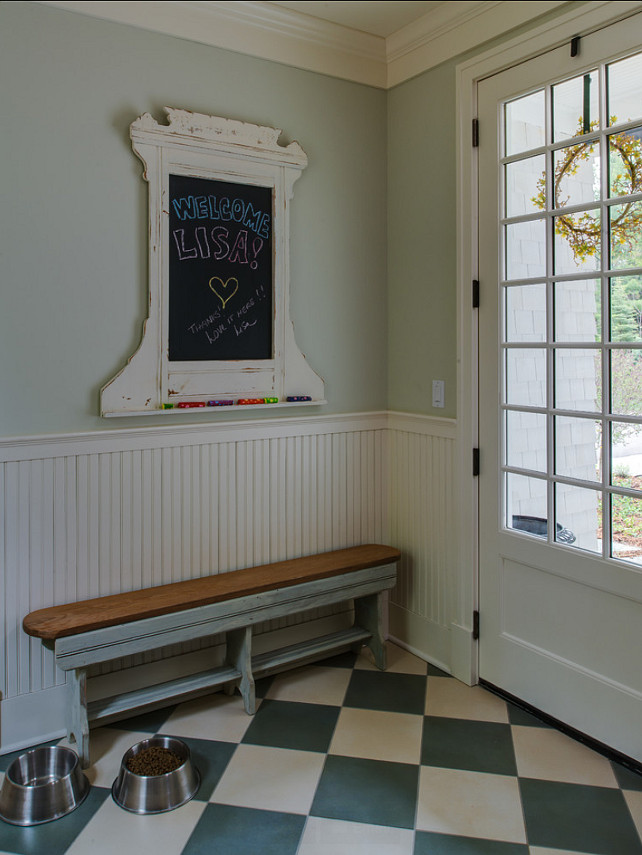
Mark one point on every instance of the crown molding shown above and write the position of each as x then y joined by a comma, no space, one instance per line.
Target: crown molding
452,29
271,32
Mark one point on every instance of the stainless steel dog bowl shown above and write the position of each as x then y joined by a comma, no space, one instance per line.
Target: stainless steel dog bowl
42,785
156,793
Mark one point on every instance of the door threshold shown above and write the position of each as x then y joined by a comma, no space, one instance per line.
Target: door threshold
610,753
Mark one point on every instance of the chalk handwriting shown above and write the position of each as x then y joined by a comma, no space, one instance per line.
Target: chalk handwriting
196,245
223,208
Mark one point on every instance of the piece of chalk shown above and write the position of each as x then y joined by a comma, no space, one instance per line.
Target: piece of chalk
220,403
251,401
271,400
189,405
299,398
168,406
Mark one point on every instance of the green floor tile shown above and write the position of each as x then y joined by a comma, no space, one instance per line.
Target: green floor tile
51,838
377,690
285,724
228,830
578,818
627,779
430,843
516,715
478,746
369,791
148,722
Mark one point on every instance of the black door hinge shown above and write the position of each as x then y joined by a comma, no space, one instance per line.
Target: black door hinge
475,626
475,133
575,45
475,293
475,462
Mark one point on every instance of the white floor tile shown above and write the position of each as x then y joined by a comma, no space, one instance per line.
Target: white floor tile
451,698
335,837
113,829
470,804
550,755
311,685
270,779
220,717
376,735
400,661
106,748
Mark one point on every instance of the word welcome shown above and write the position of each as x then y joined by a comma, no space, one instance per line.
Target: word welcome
237,249
217,208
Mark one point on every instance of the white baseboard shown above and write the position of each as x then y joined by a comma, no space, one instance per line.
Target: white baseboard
420,635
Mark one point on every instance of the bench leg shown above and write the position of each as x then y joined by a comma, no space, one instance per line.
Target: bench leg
239,655
78,731
368,613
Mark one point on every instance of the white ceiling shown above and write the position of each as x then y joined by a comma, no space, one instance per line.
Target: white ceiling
377,17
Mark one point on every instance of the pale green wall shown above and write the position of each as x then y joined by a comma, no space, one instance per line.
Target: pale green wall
422,285
73,219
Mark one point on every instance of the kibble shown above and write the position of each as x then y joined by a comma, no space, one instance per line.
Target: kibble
154,760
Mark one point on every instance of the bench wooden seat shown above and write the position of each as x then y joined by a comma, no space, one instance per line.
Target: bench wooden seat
101,629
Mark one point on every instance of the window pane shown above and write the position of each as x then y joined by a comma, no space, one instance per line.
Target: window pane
578,517
626,308
626,382
525,312
526,377
526,250
626,235
625,163
525,123
526,440
624,90
525,186
577,175
577,242
575,106
577,313
526,504
626,528
626,455
578,376
578,448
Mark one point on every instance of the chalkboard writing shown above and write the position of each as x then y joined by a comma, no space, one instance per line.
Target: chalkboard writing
220,270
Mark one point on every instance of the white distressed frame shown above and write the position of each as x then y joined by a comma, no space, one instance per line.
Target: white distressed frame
585,19
216,148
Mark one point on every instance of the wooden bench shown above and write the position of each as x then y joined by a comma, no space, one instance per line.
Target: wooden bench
99,630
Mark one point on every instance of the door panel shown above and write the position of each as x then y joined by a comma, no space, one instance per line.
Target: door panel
560,372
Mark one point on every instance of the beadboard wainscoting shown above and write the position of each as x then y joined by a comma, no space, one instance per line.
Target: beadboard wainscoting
87,515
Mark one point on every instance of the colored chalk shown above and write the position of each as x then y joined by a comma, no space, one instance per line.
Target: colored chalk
299,398
251,401
220,403
271,400
189,405
168,406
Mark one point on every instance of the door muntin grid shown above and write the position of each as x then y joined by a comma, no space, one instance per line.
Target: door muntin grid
571,348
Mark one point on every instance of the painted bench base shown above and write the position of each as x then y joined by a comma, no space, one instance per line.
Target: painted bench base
234,619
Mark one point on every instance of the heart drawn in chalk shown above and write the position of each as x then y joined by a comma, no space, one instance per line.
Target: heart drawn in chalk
224,290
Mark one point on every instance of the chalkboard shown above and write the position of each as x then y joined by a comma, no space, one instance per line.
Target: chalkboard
220,270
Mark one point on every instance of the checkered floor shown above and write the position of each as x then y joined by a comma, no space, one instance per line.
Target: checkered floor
343,759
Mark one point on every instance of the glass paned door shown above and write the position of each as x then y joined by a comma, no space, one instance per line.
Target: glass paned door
560,383
571,301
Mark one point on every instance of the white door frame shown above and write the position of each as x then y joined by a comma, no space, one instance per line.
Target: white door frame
465,588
